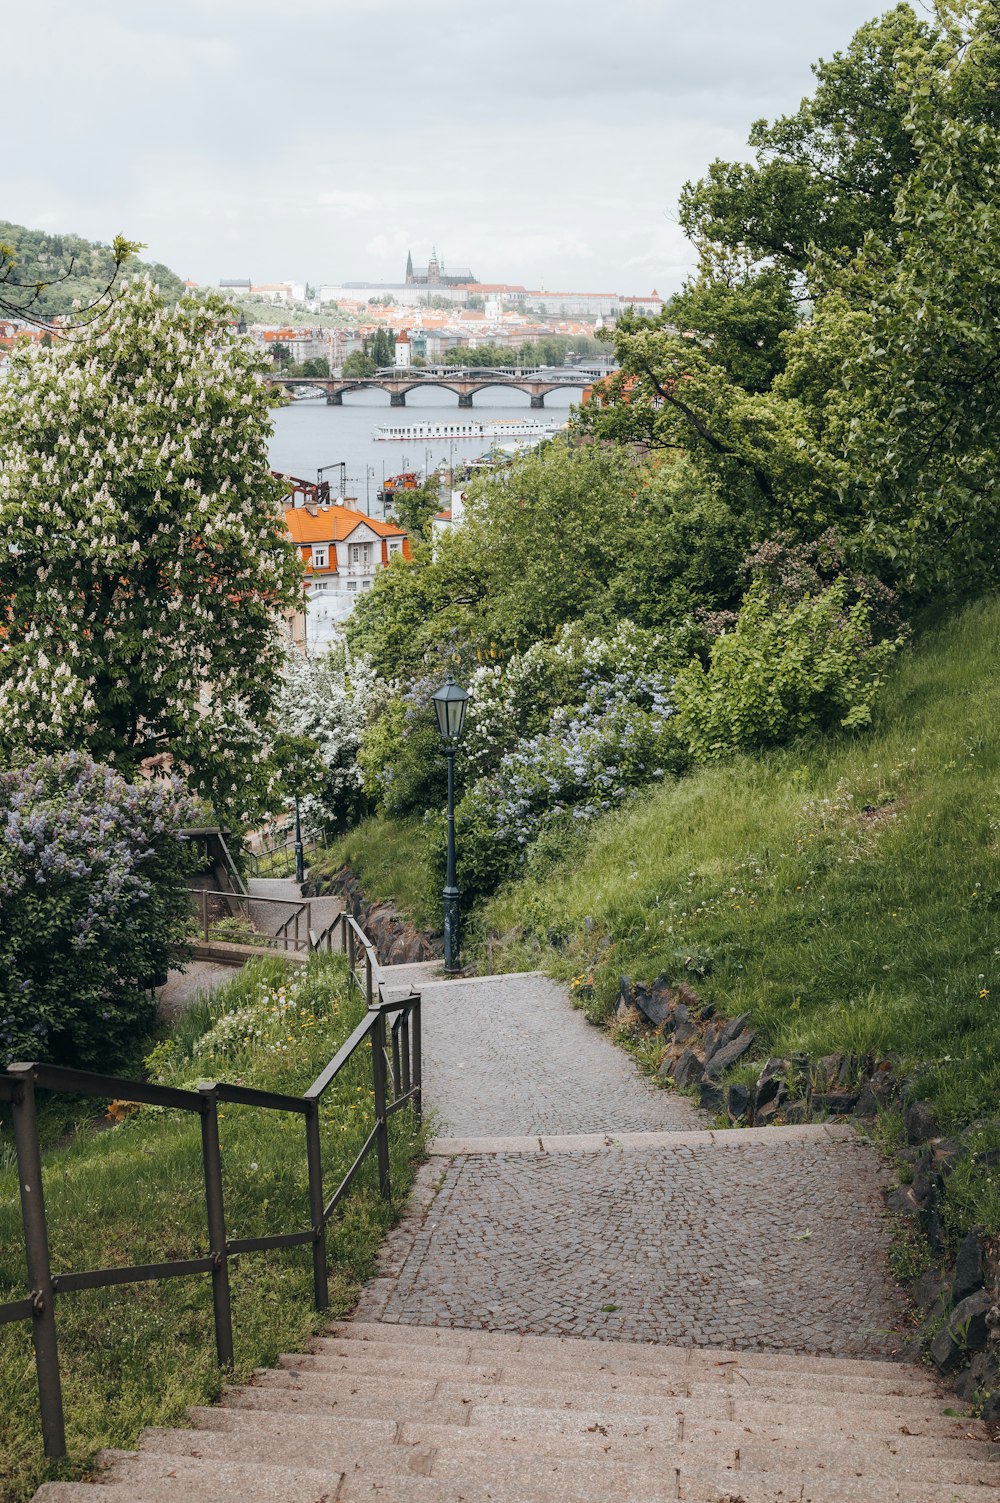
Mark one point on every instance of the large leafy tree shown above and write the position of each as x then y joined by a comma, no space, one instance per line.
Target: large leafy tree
143,562
877,411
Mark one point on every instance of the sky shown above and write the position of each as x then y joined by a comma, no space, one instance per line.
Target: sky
540,142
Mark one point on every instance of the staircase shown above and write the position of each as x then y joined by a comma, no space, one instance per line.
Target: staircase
408,1414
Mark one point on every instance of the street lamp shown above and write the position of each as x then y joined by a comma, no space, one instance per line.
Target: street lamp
449,707
300,865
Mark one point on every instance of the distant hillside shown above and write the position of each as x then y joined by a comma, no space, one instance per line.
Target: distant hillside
44,258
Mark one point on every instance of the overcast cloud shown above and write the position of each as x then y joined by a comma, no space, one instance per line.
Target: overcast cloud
543,143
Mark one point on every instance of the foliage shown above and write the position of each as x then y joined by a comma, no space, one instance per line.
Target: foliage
604,727
358,364
827,175
135,1193
393,859
328,700
142,554
551,351
782,670
43,277
91,901
878,412
414,509
843,891
380,347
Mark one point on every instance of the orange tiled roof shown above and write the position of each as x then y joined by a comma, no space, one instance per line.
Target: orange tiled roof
333,524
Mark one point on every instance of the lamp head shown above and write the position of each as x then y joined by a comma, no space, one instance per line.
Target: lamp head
449,707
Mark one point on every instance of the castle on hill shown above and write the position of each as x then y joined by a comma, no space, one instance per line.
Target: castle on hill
434,274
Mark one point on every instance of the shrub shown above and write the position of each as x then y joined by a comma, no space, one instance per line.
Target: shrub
780,671
91,900
586,761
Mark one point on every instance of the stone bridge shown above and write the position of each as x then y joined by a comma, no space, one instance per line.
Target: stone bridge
462,380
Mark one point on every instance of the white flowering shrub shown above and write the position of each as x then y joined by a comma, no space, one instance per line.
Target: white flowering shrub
143,560
330,699
616,734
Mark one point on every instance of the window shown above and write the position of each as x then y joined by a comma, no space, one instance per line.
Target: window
366,584
395,547
319,558
352,584
320,588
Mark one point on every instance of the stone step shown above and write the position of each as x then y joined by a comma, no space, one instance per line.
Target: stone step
313,1439
389,1333
561,1356
398,1474
424,1362
335,1375
450,1402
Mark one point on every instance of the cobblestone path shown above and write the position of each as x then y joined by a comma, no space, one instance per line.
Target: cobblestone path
509,1055
568,1195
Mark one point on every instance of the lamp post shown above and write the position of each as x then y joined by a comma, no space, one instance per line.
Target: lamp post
300,866
449,707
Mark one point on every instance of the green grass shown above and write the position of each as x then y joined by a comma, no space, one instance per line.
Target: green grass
846,894
142,1353
392,859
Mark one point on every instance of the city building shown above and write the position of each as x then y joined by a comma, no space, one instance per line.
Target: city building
342,550
435,275
401,356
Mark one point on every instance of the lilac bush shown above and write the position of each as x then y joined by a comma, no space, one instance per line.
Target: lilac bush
91,900
590,755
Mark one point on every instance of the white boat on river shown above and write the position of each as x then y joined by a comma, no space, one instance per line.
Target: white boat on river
490,428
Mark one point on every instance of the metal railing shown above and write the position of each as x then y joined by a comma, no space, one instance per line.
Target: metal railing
216,909
397,1077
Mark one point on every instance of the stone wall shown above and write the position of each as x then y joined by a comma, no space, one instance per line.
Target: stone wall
396,940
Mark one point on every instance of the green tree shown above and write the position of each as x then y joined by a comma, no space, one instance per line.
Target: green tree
358,364
143,560
45,277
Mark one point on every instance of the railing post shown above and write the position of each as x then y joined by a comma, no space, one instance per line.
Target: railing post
417,1062
404,1028
396,1072
212,1160
350,947
36,1249
204,911
378,1079
314,1158
368,977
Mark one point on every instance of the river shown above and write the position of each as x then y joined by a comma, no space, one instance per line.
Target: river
309,434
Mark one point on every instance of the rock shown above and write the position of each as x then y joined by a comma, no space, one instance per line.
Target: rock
737,1103
795,1111
723,1058
688,1070
767,1111
928,1289
711,1097
686,995
712,1035
867,1104
903,1200
732,1030
829,1070
771,1086
685,1031
707,1011
589,924
624,1011
991,1409
625,989
969,1268
965,1333
839,1103
651,1006
921,1122
945,1154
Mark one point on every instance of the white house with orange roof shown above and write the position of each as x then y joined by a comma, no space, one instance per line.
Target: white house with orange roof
342,550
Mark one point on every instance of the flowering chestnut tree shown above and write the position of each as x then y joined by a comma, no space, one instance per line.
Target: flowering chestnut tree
143,562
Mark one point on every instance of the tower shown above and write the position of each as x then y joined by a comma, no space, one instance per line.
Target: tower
433,270
409,267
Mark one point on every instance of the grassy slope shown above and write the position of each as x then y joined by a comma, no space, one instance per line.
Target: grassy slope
846,895
393,859
140,1354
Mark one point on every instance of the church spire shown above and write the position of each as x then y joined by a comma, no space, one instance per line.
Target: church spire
409,266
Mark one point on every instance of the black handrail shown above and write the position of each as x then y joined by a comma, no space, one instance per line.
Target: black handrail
18,1087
